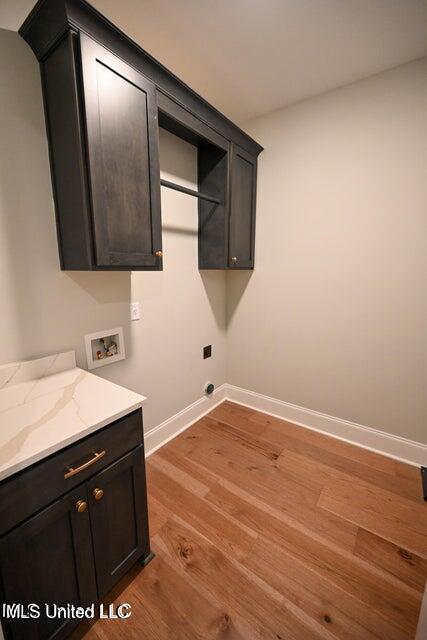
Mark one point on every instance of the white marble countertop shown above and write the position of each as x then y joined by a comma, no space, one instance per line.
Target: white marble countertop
49,403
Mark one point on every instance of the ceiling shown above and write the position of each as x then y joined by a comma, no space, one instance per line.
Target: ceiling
250,57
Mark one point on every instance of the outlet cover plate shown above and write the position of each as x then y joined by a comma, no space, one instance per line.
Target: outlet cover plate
135,311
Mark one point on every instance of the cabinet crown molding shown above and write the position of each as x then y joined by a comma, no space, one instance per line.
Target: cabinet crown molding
49,21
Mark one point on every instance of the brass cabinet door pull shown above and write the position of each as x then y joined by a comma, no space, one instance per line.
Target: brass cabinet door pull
72,472
97,493
81,506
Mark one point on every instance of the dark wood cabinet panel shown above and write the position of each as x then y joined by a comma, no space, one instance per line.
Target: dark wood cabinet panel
67,155
122,139
242,210
49,560
213,176
118,511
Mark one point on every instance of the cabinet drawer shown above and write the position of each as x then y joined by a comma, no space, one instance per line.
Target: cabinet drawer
34,488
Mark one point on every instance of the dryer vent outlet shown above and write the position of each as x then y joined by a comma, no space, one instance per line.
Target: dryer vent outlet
209,388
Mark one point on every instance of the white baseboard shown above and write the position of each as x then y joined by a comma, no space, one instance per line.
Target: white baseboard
386,444
160,435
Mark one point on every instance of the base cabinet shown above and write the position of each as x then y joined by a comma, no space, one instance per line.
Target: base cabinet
45,562
73,551
118,510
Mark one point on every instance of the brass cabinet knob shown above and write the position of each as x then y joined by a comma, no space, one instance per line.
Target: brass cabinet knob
158,254
97,493
81,506
234,259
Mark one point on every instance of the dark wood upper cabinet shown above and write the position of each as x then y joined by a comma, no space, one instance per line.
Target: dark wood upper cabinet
104,100
122,142
242,209
59,538
227,230
104,155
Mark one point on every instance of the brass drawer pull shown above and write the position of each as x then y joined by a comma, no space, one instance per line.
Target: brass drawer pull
72,472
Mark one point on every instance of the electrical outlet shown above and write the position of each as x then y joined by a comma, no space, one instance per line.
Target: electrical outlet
134,311
207,351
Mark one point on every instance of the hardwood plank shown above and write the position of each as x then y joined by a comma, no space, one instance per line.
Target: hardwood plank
245,440
355,581
176,471
225,530
409,516
157,515
405,565
85,630
217,448
408,471
400,521
339,447
142,624
262,477
238,417
344,615
206,477
339,464
408,475
256,610
384,472
179,604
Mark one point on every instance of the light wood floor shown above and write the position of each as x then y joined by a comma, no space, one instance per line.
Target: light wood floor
263,529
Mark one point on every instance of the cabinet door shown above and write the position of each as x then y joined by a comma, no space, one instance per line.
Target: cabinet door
118,512
49,560
242,210
122,141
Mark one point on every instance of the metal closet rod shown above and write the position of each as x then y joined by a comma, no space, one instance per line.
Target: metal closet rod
190,192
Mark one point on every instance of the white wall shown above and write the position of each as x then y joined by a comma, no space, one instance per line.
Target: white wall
44,310
334,317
